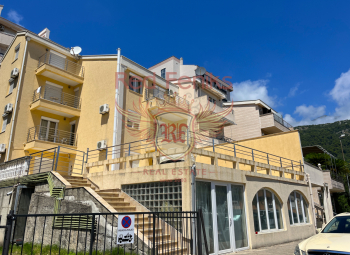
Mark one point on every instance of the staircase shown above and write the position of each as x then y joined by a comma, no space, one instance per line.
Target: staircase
167,238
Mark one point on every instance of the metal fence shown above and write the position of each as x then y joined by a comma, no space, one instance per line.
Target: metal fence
57,96
61,63
97,233
200,141
52,135
282,121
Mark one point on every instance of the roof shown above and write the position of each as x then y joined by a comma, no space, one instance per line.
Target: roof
315,149
11,24
257,102
164,61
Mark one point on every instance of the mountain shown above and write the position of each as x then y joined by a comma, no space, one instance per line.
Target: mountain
327,136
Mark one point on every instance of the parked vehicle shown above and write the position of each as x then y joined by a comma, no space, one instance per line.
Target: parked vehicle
334,238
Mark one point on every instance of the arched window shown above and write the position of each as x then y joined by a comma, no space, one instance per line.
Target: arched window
298,209
267,211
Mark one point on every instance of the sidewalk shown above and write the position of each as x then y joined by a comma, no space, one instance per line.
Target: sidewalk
281,249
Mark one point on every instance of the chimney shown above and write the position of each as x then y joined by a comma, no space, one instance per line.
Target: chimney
181,61
1,7
45,33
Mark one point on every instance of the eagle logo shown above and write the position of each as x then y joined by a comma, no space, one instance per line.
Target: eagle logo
171,122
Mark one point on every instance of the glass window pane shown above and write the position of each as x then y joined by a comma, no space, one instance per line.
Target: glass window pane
300,209
222,218
239,216
306,210
263,218
203,201
289,212
255,215
279,213
294,208
270,210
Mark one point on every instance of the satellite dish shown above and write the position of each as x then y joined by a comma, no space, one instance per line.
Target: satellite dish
200,71
75,50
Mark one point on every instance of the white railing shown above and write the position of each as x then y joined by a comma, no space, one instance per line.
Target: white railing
14,168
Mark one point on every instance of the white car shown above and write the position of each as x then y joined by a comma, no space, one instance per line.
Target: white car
333,239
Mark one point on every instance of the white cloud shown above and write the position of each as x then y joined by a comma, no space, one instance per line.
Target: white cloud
252,90
293,90
314,115
14,16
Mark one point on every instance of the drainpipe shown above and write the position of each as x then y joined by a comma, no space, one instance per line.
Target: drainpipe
193,184
18,92
312,201
116,113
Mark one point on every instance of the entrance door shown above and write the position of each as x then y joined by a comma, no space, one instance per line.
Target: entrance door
229,218
48,130
72,134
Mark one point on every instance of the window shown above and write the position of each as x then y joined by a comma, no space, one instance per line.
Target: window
212,100
162,73
298,209
135,84
267,211
340,224
133,120
17,51
12,85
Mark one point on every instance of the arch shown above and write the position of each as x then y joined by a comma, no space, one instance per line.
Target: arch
298,208
267,211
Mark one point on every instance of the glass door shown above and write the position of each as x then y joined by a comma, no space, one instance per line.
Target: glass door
48,130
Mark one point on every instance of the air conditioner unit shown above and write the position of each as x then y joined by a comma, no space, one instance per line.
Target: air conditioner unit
14,72
2,148
8,108
101,145
104,108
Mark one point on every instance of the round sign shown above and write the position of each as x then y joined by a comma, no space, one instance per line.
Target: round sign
126,222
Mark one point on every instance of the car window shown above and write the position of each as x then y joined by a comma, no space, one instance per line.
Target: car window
339,224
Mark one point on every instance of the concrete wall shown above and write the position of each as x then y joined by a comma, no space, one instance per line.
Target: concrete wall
315,173
5,207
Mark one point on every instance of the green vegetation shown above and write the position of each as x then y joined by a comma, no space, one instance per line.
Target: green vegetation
27,250
327,136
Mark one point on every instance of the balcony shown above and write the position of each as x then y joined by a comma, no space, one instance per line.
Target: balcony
60,69
6,38
211,87
272,123
52,100
201,103
41,138
163,95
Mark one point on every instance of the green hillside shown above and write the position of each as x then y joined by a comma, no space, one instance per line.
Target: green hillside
327,136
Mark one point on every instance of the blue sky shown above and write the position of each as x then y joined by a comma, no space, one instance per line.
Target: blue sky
292,54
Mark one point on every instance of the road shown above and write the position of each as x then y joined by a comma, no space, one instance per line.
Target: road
281,249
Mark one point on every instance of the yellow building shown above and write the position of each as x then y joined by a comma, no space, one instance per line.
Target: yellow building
60,111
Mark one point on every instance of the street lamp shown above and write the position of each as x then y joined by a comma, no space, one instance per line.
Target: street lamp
341,136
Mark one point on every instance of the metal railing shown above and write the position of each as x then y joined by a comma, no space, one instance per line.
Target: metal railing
61,63
97,233
52,135
57,96
282,121
200,141
164,95
336,177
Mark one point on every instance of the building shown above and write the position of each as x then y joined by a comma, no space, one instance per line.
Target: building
66,145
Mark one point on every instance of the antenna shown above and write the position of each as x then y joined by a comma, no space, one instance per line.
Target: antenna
75,50
200,71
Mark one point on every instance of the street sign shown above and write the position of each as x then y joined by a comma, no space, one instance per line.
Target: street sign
125,229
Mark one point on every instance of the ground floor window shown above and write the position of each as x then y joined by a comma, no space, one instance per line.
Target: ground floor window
267,211
298,209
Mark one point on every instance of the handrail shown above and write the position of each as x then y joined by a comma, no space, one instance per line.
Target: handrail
51,135
61,63
57,96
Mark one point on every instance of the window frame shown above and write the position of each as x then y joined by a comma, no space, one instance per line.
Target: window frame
135,79
161,73
290,211
134,124
267,213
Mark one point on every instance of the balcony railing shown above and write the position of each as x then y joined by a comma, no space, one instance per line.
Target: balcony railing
164,95
61,63
53,135
57,96
282,121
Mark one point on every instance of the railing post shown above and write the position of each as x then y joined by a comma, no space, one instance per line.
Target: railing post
292,165
106,153
7,240
57,156
268,161
154,235
87,155
41,160
129,149
281,161
82,164
34,132
253,154
45,57
92,235
213,145
53,160
234,149
199,234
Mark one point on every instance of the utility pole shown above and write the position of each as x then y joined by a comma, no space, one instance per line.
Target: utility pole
341,145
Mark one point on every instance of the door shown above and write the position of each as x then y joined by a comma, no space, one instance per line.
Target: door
53,93
72,134
48,131
57,60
